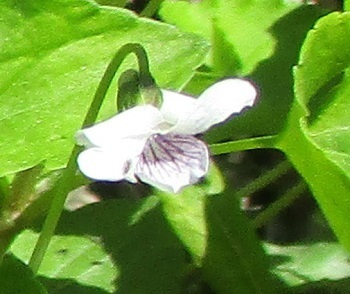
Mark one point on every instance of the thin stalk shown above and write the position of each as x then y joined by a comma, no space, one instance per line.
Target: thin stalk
151,8
6,238
265,179
4,191
275,208
245,144
64,184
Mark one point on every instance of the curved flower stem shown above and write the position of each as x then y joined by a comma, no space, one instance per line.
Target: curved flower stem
245,144
110,73
289,197
64,184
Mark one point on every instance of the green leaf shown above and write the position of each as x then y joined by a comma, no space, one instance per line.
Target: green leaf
324,286
186,212
303,264
329,124
274,79
234,260
52,60
318,145
118,246
21,195
118,3
219,237
238,30
251,18
15,277
81,258
325,54
346,5
13,210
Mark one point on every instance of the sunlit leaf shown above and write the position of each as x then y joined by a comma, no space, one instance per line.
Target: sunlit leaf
71,257
273,79
53,54
238,30
318,144
303,264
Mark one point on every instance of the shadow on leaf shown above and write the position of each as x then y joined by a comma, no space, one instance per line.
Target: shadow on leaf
235,261
323,287
148,256
60,286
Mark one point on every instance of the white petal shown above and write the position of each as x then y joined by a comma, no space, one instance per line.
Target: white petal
176,106
171,162
138,122
235,93
99,164
215,105
111,164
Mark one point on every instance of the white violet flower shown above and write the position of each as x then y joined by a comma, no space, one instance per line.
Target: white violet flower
157,146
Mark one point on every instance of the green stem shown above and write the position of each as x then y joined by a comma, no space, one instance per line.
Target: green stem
151,8
265,179
245,144
64,185
6,238
275,208
110,73
4,191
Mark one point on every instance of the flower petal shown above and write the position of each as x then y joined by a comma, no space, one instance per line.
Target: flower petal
111,164
138,122
171,162
177,106
215,105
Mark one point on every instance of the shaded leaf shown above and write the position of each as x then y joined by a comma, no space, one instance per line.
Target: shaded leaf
235,261
117,246
15,277
186,212
219,238
21,195
324,287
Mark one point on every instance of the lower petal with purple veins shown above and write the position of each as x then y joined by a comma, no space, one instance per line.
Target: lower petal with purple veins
172,161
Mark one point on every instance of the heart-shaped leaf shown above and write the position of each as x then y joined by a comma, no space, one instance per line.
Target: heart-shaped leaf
51,62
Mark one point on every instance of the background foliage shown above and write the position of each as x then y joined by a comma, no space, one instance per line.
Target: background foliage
263,221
